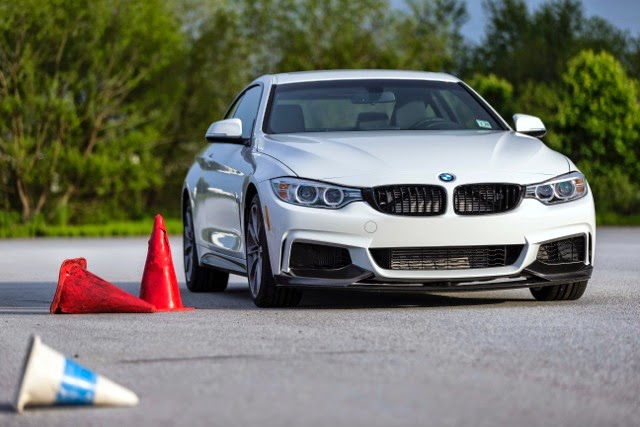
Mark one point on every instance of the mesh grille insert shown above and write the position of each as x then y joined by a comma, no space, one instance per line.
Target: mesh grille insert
446,258
563,251
480,199
318,257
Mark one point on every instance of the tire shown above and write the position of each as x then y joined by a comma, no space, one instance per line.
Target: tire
568,291
198,278
261,284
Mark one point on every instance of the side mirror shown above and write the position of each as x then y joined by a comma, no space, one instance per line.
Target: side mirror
529,125
229,130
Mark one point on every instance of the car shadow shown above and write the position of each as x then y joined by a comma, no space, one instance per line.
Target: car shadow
238,297
356,299
35,298
26,298
6,407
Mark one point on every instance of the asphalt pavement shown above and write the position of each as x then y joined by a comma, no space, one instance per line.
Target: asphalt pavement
341,358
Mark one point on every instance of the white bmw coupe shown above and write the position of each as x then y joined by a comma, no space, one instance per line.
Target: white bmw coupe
382,180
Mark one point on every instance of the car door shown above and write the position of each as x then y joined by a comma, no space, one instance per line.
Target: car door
218,202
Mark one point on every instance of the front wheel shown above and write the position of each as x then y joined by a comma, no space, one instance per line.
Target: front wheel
198,278
566,292
263,288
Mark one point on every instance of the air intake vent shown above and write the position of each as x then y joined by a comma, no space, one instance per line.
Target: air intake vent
410,200
446,258
481,199
308,256
565,251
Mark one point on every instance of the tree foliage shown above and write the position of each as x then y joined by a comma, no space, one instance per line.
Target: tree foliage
520,45
103,104
599,127
429,35
78,103
496,91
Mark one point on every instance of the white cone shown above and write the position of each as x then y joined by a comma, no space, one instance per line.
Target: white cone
49,378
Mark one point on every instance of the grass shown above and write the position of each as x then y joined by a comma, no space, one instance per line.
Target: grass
611,218
112,229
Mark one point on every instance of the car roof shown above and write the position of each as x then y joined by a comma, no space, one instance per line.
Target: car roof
324,75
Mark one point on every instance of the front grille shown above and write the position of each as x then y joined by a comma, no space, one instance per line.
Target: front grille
480,199
410,200
307,256
563,251
446,258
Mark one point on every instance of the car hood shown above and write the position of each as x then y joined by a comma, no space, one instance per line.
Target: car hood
381,157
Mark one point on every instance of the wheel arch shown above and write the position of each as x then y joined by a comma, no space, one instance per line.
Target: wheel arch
186,199
188,203
250,192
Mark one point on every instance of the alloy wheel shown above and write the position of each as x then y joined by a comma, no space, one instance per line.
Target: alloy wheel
254,249
188,243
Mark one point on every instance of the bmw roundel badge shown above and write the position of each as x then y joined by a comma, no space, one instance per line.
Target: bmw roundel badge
446,177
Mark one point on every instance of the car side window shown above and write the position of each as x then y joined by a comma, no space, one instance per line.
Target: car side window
246,109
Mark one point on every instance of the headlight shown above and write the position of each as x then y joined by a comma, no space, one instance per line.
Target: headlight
564,188
314,194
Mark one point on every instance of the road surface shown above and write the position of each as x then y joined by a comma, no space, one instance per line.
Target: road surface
340,359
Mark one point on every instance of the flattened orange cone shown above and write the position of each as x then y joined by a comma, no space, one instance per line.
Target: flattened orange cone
159,284
81,292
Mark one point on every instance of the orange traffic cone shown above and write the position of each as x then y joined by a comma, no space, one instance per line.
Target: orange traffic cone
159,284
80,291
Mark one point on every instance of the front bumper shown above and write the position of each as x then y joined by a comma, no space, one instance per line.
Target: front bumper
353,277
358,228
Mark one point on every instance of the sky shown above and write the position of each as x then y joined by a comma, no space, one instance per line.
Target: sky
624,14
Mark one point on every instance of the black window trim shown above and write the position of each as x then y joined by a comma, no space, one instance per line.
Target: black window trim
237,100
267,112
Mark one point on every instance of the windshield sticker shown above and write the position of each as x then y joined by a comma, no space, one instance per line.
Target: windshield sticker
483,124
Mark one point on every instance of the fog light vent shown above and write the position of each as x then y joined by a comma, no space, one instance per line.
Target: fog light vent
563,251
307,256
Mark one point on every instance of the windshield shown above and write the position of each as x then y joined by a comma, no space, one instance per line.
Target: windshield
369,105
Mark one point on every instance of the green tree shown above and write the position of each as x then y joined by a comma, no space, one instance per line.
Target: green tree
520,45
599,128
330,34
427,35
542,100
497,91
201,82
79,105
